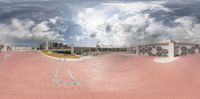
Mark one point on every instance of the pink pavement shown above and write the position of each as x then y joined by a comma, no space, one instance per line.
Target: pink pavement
29,75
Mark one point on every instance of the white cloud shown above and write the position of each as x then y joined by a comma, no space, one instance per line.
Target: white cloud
27,30
54,20
124,19
129,25
136,6
41,27
189,25
186,21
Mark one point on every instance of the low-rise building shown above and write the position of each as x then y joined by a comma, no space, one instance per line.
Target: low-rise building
51,45
169,48
25,48
5,48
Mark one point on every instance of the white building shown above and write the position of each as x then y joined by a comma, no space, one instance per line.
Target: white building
25,48
169,48
5,47
51,45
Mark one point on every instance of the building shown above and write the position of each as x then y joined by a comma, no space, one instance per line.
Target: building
169,48
51,45
181,49
158,49
93,50
25,48
5,48
57,47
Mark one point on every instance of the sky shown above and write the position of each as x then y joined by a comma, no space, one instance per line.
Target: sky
116,23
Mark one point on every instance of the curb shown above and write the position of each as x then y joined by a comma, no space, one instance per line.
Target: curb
66,59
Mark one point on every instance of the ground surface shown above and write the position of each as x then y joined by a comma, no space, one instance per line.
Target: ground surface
29,75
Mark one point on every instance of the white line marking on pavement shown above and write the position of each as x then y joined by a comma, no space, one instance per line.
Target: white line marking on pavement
69,73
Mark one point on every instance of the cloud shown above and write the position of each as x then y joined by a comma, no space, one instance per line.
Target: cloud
54,20
116,22
190,25
130,24
25,30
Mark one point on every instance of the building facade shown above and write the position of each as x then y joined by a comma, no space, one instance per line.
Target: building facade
168,48
5,48
48,45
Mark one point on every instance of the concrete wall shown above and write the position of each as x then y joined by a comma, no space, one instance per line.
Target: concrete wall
131,50
186,49
167,48
170,49
154,49
5,48
25,48
80,50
